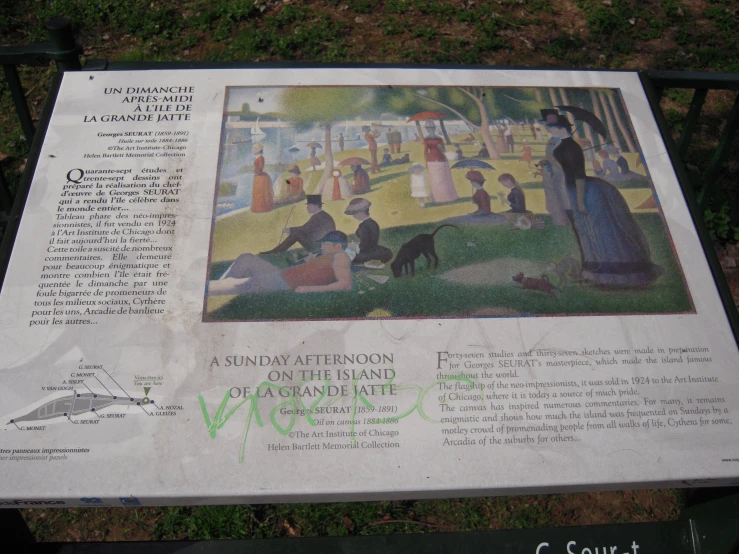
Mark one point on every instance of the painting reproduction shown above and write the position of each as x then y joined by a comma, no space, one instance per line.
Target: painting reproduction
349,202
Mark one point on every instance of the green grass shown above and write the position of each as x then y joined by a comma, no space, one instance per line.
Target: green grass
427,295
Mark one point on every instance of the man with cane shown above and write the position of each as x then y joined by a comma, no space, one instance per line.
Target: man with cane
309,234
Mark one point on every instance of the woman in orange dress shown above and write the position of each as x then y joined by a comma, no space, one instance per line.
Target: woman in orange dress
262,196
526,156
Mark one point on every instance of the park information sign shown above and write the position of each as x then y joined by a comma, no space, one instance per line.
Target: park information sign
314,284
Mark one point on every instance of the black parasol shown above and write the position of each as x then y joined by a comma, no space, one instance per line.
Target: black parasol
581,114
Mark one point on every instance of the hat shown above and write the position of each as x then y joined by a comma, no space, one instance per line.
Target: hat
523,223
475,176
357,205
416,168
314,199
293,169
430,124
336,237
552,118
257,148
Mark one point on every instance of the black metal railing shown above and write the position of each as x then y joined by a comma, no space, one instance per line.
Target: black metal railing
62,49
706,186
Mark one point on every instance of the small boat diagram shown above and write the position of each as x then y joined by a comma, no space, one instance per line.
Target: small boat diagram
78,404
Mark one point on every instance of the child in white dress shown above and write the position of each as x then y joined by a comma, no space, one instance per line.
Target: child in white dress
419,188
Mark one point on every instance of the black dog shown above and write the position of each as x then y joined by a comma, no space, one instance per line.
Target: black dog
421,244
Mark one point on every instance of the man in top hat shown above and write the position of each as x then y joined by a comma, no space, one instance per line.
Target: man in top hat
329,271
398,136
509,143
309,234
390,140
368,233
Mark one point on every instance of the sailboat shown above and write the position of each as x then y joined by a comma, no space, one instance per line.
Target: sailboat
256,132
238,139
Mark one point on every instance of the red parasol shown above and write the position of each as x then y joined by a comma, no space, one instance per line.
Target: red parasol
427,115
354,161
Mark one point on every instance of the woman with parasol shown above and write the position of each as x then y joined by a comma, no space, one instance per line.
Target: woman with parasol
613,247
439,175
262,196
314,161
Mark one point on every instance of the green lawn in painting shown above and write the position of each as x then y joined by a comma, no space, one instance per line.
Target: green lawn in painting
432,293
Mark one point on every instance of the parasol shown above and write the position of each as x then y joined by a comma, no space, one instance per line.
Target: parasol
314,144
293,148
477,164
427,115
581,114
354,161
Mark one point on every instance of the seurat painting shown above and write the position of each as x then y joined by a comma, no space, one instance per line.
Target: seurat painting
442,202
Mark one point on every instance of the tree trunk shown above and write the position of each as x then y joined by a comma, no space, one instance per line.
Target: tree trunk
588,133
419,131
553,96
609,120
328,161
538,95
443,131
620,123
599,114
566,101
486,136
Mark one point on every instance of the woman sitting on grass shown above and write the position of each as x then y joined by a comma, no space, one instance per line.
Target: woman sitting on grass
481,199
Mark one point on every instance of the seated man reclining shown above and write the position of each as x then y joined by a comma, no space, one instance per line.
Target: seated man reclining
330,271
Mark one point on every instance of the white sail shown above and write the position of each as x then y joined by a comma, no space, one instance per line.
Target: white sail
256,132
